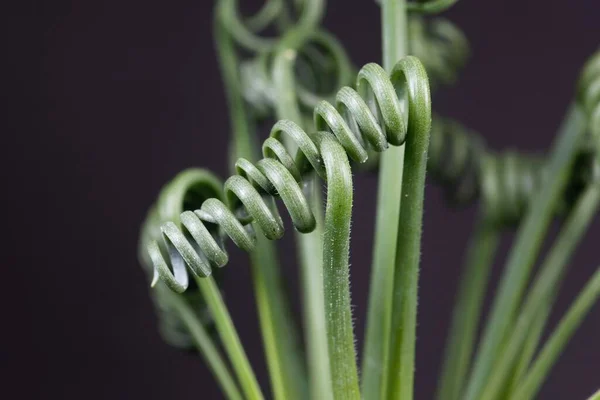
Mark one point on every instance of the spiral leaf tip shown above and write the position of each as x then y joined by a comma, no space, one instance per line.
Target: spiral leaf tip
385,109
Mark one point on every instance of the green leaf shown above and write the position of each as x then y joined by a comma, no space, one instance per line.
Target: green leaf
559,339
525,251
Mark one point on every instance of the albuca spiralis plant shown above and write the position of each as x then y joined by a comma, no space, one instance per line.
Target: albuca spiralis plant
333,118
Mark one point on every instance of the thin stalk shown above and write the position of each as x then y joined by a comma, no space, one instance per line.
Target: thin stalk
401,365
284,361
498,386
310,246
559,339
379,315
229,337
203,343
467,312
525,251
310,251
277,325
243,142
527,353
336,279
541,296
334,270
536,329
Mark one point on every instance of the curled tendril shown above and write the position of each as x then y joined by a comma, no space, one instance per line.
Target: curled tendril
460,164
383,110
466,171
505,182
440,45
186,191
589,95
244,32
322,66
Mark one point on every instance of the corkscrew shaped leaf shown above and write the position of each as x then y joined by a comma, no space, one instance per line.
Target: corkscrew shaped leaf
589,96
503,182
250,194
185,319
186,191
395,108
319,55
321,67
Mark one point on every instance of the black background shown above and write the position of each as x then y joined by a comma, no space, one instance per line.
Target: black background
108,100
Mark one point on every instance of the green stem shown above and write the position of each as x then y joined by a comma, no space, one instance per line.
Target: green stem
401,363
498,384
284,360
333,270
541,296
527,353
536,330
559,339
467,312
280,339
229,338
336,279
310,249
243,143
377,335
310,246
203,342
525,251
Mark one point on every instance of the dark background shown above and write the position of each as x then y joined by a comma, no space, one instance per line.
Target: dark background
108,100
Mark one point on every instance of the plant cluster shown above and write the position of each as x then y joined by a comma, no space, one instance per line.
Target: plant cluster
332,118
